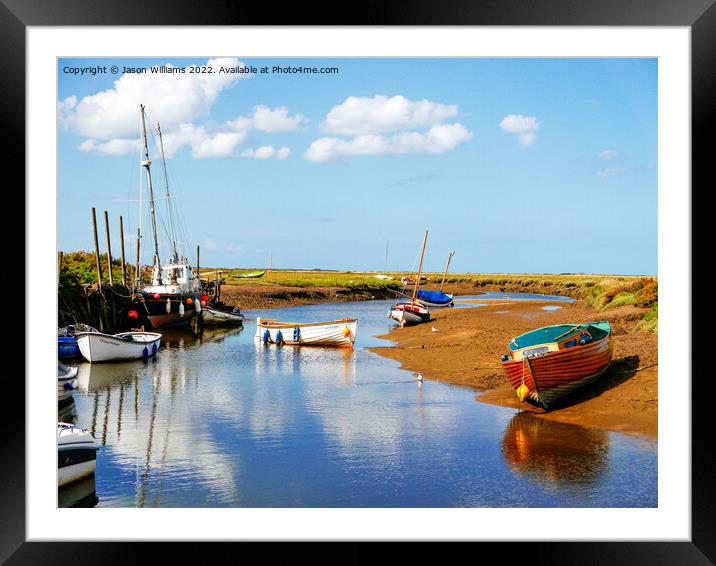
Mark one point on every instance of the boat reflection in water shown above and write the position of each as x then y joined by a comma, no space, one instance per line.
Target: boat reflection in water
67,412
554,453
82,493
319,364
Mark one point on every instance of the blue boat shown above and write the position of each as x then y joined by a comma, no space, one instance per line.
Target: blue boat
434,298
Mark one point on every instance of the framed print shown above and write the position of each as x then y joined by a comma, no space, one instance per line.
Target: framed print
393,279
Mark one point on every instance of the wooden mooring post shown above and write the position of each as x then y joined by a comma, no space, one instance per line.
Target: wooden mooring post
96,248
121,243
109,247
138,274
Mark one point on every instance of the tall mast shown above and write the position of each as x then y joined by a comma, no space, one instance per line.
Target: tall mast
446,268
146,164
420,267
175,257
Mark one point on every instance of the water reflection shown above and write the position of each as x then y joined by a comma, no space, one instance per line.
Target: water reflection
223,420
555,453
67,412
81,493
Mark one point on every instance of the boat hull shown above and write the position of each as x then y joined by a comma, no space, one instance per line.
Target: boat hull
76,454
153,309
554,375
338,333
407,314
67,347
97,347
213,316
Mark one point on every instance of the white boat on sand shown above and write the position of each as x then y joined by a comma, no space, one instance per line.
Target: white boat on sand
99,347
340,332
76,454
66,382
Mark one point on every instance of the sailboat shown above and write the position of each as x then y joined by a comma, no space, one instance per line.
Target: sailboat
172,297
412,312
437,298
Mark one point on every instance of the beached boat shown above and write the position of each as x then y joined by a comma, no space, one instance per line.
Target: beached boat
100,347
434,298
407,313
546,364
215,314
67,342
252,274
66,382
411,311
76,454
411,279
171,297
340,332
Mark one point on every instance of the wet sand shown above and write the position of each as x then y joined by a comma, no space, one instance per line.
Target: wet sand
463,346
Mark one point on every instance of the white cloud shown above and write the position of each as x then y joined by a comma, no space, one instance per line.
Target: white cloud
608,154
276,120
524,126
112,147
267,152
218,145
170,98
609,172
380,114
438,139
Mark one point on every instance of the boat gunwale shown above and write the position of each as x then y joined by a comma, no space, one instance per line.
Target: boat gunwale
271,323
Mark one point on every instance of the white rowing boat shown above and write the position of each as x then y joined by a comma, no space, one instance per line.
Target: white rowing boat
99,347
76,453
332,333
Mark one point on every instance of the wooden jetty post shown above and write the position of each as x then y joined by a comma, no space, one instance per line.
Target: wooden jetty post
138,274
59,267
96,248
121,243
109,247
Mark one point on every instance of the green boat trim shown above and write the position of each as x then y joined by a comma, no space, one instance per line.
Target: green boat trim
549,334
251,274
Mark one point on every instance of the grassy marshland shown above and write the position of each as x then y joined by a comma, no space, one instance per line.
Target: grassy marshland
601,292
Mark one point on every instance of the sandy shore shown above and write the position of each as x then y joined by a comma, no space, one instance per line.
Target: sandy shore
463,345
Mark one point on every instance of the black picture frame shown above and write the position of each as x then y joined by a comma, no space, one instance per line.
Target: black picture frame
698,15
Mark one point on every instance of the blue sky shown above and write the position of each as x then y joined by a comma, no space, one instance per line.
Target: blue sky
519,165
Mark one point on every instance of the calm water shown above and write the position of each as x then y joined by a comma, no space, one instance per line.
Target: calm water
224,421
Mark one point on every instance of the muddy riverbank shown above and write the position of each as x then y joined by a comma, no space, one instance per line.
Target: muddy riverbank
462,346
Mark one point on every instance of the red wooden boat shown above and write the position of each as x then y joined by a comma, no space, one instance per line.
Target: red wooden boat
546,364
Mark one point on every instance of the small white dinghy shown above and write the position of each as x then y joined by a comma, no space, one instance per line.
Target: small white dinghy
76,454
99,347
66,382
340,332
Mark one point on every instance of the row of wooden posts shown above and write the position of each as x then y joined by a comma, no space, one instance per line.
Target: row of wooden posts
109,252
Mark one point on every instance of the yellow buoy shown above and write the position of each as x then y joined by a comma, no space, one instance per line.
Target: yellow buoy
522,392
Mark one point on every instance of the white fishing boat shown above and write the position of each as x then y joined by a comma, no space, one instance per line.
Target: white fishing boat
171,299
331,333
100,347
76,454
66,382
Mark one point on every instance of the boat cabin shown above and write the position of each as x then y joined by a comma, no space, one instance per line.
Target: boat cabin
174,274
